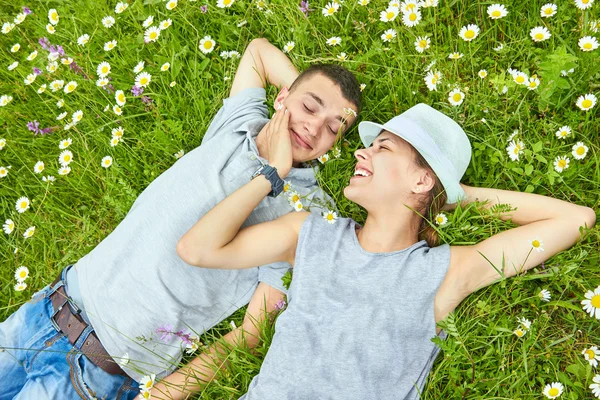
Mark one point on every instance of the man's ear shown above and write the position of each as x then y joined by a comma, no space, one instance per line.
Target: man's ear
283,93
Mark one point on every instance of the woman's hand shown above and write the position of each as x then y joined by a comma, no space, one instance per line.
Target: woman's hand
279,142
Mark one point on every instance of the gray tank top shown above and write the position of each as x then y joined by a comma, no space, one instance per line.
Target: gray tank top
358,325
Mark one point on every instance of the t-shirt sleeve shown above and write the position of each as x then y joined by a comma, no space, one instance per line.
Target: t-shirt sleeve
272,275
247,105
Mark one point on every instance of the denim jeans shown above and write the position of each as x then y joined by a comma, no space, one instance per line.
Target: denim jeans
38,362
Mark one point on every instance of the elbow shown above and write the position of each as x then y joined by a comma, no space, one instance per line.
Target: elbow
186,252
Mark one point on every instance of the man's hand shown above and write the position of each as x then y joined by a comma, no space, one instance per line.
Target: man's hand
279,142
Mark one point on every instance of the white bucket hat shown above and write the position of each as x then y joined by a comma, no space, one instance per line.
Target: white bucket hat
437,137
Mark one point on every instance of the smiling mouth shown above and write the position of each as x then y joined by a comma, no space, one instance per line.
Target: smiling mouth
300,141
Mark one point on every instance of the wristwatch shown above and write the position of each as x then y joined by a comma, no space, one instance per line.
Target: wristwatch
271,174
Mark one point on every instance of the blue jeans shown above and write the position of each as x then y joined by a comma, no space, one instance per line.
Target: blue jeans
38,362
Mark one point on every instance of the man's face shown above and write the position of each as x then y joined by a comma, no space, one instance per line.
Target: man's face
317,116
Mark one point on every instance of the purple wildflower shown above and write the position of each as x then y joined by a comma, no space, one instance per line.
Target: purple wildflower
77,69
185,337
304,8
48,130
34,126
137,90
165,332
37,71
204,9
60,50
110,89
280,305
44,42
26,10
146,100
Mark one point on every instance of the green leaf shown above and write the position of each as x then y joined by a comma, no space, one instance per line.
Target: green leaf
541,158
564,304
528,169
537,147
529,189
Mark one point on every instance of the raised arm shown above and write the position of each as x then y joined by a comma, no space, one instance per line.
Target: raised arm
554,222
263,63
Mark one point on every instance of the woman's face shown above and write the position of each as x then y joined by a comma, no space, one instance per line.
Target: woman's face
385,174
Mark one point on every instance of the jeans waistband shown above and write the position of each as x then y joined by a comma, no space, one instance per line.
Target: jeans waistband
69,277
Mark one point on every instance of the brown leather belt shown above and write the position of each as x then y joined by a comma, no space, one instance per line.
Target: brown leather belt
73,325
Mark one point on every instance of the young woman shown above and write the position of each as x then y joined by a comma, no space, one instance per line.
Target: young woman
365,300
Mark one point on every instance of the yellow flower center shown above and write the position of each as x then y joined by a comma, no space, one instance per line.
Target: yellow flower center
440,220
580,150
535,243
412,17
496,13
54,15
67,157
410,7
106,162
423,44
148,384
470,34
563,133
286,187
152,35
105,69
585,1
143,81
587,103
519,332
22,274
532,84
539,36
516,150
562,163
389,15
434,80
121,97
329,217
590,353
553,392
596,301
456,97
330,10
587,46
548,11
520,79
23,204
207,44
295,198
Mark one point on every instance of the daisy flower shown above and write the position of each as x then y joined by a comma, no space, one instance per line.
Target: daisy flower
138,67
48,178
497,11
50,29
432,79
3,171
342,56
563,132
4,100
591,304
520,332
22,205
103,69
15,48
334,41
389,34
336,152
165,24
110,45
411,18
164,67
83,39
65,158
65,142
545,295
561,163
293,197
117,110
533,83
289,46
114,141
38,167
330,216
76,117
592,355
60,102
330,9
363,86
66,61
441,219
118,132
456,97
207,44
583,4
515,149
455,56
142,79
52,67
42,89
234,54
151,34
20,286
540,33
298,206
406,6
19,18
596,386
102,82
8,226
120,97
525,323
469,32
148,21
586,102
588,43
108,21
363,2
171,4
29,232
32,55
53,16
147,382
422,43
7,27
548,10
13,65
324,158
482,73
520,78
388,15
579,151
2,143
537,244
106,162
225,3
553,390
29,79
64,170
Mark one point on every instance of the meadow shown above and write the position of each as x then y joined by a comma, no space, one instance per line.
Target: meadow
97,99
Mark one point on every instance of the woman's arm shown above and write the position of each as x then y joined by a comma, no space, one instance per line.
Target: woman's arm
215,241
554,222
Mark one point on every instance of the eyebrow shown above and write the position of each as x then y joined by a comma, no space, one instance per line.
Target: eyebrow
320,102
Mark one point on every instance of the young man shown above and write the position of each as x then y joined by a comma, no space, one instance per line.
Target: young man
132,299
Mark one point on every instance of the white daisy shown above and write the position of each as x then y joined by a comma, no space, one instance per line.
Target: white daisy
179,154
2,143
553,390
19,18
520,78
102,82
561,163
118,132
289,46
7,27
57,85
110,45
22,205
579,151
540,33
139,67
455,55
334,41
147,382
103,69
38,167
548,10
514,149
584,4
324,158
60,103
4,100
50,29
77,116
52,67
520,332
388,35
108,21
422,43
32,55
482,73
298,206
106,161
441,219
120,7
469,32
65,158
64,170
69,87
524,322
225,3
114,141
120,97
15,47
591,304
592,355
164,67
143,79
29,232
363,2
4,171
342,56
20,286
586,102
172,84
83,39
330,216
48,178
563,132
412,18
66,61
497,11
234,54
330,9
533,83
14,65
171,4
53,16
596,385
537,244
432,79
388,15
545,295
65,142
117,110
151,34
165,24
588,43
456,97
148,21
8,226
29,79
207,44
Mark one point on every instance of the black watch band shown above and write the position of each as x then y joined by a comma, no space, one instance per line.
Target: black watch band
272,176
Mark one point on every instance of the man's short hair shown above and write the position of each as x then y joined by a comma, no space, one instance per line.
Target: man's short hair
345,80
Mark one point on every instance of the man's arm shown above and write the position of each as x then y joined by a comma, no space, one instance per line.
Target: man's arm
263,63
202,369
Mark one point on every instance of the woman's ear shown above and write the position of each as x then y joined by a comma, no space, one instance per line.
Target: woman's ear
425,183
283,93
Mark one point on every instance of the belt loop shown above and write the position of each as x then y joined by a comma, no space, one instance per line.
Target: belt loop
83,337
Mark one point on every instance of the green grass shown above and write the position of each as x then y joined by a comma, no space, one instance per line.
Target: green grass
482,358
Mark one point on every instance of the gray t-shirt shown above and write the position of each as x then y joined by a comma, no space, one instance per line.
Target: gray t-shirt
134,282
358,325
